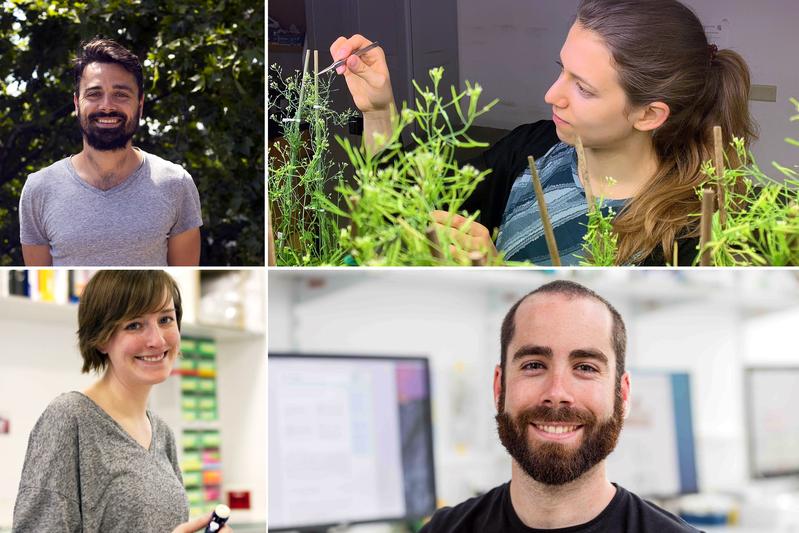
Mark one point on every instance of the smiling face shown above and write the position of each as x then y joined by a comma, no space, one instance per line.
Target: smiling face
142,350
587,98
108,106
559,412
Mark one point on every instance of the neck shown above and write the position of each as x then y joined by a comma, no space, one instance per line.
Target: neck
631,164
551,507
108,168
120,400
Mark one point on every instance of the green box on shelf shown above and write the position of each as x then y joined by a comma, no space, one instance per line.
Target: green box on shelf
195,497
207,403
189,384
206,348
192,479
210,439
189,415
207,364
192,461
207,416
189,402
186,363
187,344
206,385
191,439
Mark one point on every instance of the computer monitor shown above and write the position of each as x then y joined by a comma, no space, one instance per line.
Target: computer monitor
655,455
350,440
772,395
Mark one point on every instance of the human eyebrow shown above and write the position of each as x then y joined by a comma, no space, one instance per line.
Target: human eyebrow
123,87
532,349
589,353
576,77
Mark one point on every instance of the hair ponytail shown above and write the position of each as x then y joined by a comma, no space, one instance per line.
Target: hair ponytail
661,54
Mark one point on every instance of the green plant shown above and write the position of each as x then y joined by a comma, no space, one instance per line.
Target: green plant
600,242
383,215
758,220
397,188
300,168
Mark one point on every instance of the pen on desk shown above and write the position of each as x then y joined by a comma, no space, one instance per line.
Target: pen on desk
340,62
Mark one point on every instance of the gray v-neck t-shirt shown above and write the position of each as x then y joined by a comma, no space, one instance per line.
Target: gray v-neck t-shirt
84,473
126,225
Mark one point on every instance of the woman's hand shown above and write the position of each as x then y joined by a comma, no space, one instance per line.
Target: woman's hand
367,75
468,235
199,524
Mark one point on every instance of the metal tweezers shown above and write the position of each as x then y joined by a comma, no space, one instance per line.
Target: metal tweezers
356,53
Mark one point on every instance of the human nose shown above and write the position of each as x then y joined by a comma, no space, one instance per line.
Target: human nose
556,392
155,336
555,96
106,103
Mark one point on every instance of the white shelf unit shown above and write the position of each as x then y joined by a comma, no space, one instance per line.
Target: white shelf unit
40,360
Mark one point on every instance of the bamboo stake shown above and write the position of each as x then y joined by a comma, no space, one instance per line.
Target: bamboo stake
432,235
549,234
674,255
302,86
708,196
582,173
353,226
271,261
718,156
477,258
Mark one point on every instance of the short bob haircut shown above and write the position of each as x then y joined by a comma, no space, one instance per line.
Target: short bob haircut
113,297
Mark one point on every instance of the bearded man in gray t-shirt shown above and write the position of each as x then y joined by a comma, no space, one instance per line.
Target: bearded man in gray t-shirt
110,204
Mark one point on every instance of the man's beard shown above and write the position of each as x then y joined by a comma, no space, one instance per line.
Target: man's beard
108,139
553,463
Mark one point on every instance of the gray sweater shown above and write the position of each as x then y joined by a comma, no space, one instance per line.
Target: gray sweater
84,473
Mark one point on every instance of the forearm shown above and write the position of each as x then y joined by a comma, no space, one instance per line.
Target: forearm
376,122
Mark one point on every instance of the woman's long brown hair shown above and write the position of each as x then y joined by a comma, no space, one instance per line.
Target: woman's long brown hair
661,54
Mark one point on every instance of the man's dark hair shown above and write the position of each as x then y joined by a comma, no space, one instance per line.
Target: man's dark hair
107,51
574,290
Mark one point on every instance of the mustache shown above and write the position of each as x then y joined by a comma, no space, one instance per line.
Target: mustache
566,415
95,116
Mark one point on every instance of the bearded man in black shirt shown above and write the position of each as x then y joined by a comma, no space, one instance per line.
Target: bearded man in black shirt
561,392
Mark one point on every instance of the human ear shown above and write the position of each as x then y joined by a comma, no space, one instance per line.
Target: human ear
625,393
652,116
497,386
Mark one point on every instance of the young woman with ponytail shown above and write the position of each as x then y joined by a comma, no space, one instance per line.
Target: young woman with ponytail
642,87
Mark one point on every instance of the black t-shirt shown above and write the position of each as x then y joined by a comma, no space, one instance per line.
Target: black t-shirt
494,513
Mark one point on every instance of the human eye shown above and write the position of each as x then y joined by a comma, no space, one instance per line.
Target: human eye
533,365
583,90
585,368
121,95
133,326
557,62
166,319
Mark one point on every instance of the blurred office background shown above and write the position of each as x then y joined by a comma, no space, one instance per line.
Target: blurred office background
214,401
713,433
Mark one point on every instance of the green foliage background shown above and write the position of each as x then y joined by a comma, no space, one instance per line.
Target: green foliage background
204,64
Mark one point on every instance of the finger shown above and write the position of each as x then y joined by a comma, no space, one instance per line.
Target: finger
193,525
446,218
342,47
375,77
336,46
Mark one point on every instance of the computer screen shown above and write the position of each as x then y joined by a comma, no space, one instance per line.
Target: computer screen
772,395
655,455
350,440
